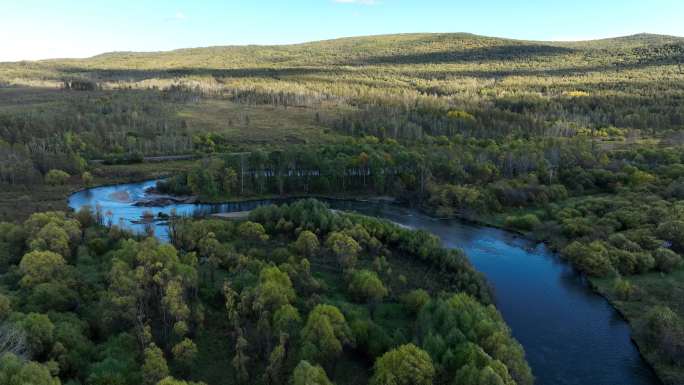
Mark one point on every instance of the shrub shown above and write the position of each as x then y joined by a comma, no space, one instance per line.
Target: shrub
56,177
325,334
623,289
592,259
307,243
307,374
87,178
527,222
345,248
5,306
252,231
365,285
415,300
673,232
664,332
666,260
405,365
370,338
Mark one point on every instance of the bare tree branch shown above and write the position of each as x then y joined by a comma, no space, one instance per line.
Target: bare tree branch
13,340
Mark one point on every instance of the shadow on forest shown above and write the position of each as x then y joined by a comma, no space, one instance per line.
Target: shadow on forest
540,72
336,72
474,55
484,62
138,75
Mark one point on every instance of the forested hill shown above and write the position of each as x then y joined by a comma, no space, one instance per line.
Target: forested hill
385,50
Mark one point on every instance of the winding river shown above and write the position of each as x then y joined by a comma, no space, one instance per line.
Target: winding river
570,334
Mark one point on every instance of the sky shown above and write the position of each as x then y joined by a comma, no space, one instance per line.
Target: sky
40,29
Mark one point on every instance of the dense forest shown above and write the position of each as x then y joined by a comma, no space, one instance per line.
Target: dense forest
578,144
123,106
296,293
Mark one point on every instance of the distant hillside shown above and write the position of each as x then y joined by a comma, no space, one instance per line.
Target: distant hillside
641,40
344,50
370,50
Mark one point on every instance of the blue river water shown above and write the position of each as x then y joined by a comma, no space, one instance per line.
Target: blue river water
571,335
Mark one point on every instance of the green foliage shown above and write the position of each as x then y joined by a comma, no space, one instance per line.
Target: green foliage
52,237
664,332
672,231
448,199
307,374
325,334
461,115
173,381
469,340
592,259
40,267
252,231
114,363
39,332
73,347
230,180
666,260
307,243
276,363
527,222
52,231
15,371
286,320
273,291
54,296
185,352
240,360
371,338
405,365
114,310
56,177
365,285
87,178
344,247
154,367
5,306
415,300
623,288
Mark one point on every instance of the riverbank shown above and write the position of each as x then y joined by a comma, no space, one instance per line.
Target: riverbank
264,197
653,290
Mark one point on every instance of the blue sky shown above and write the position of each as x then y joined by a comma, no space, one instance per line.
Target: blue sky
36,29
